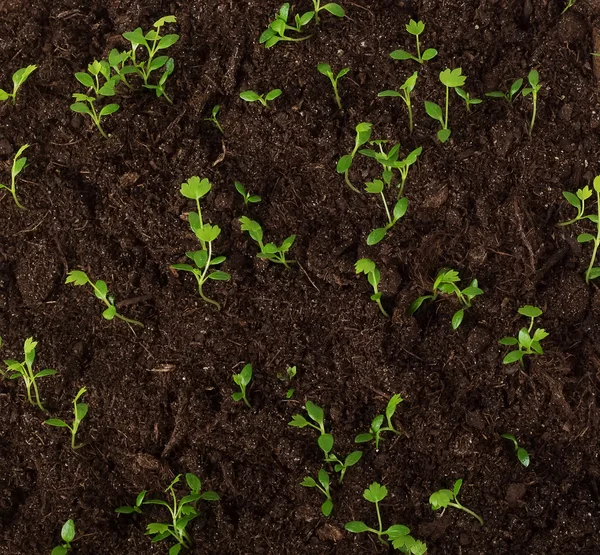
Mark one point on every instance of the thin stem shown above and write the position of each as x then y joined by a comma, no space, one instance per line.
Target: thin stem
447,96
201,279
596,241
406,99
457,505
387,210
96,119
420,60
317,5
379,518
347,179
534,96
14,194
245,398
337,96
128,320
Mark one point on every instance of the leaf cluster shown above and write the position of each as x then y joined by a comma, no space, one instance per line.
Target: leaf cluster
451,79
18,78
415,28
526,343
277,30
269,251
242,380
449,498
367,266
405,94
325,69
363,134
248,197
67,534
80,411
521,452
19,163
264,99
377,427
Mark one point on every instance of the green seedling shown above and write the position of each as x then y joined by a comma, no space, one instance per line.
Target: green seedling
325,69
331,7
533,90
398,534
118,63
78,277
325,440
451,79
415,28
24,370
467,98
276,31
182,512
248,198
449,498
98,80
445,282
569,4
80,410
510,95
213,118
67,534
195,189
251,96
367,267
153,42
522,453
242,380
270,251
578,201
323,487
527,344
363,134
404,93
377,427
19,77
290,374
18,164
376,187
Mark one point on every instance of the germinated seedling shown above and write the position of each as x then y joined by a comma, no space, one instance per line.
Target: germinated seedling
415,28
290,374
19,77
67,534
522,453
398,534
325,69
270,251
80,411
578,201
323,487
451,79
469,101
118,63
181,511
251,96
331,7
363,134
526,343
242,380
449,498
404,93
213,118
367,267
24,370
376,187
445,282
18,164
277,29
377,427
78,277
248,197
533,90
569,4
195,189
510,95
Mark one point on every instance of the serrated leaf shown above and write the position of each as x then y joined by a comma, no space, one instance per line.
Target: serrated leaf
453,77
77,277
298,421
375,493
364,265
440,499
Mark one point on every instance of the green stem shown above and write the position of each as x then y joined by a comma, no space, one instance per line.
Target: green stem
202,243
534,96
14,195
457,505
420,60
245,399
446,119
347,179
387,210
379,518
596,241
337,96
410,114
201,279
128,320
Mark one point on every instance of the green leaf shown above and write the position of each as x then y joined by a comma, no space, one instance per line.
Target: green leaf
327,507
453,77
401,55
509,341
586,192
540,334
4,95
344,163
182,267
397,531
513,356
356,527
325,69
166,41
46,372
530,311
298,421
514,88
125,510
533,78
597,184
375,186
210,496
585,238
315,412
67,532
200,258
219,276
246,374
325,442
457,318
275,93
334,9
363,438
440,499
523,456
376,236
495,94
400,208
249,96
85,79
429,54
364,265
393,403
110,312
80,108
100,289
434,111
59,550
415,27
457,486
56,422
287,243
416,304
353,458
308,482
165,19
237,396
375,493
195,188
109,109
193,482
394,94
208,232
443,135
156,528
252,227
176,548
77,277
594,273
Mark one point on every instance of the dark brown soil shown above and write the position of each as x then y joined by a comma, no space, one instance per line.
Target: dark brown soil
160,401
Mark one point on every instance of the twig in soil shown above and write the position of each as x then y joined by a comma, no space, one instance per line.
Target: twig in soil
524,236
179,429
307,276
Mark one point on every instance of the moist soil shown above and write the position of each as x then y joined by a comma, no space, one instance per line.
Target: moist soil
486,204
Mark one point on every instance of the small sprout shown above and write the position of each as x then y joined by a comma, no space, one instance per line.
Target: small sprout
19,77
528,344
78,277
376,187
451,79
533,89
415,28
118,63
398,534
181,511
367,267
445,282
449,498
363,134
331,7
324,482
270,251
67,534
467,98
569,4
377,427
522,453
510,95
325,69
25,370
18,164
242,380
213,118
578,201
80,411
276,31
404,93
248,198
251,96
290,374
